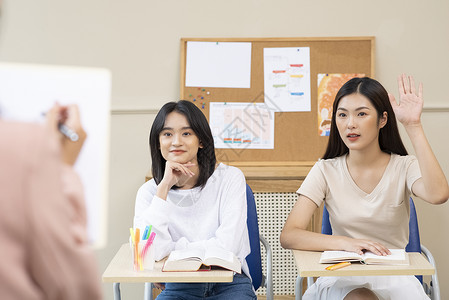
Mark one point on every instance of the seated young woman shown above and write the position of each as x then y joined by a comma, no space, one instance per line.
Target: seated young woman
192,202
365,178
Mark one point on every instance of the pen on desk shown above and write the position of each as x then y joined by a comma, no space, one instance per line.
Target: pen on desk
133,244
136,247
149,232
144,235
145,248
148,244
338,266
132,234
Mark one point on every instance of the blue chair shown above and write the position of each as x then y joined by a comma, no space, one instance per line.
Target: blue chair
414,245
254,259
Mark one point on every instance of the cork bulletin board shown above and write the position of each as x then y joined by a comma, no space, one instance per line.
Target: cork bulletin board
296,135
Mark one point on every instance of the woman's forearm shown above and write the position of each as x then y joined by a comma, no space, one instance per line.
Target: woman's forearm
435,187
301,239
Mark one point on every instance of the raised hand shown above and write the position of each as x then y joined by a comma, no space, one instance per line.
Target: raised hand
408,110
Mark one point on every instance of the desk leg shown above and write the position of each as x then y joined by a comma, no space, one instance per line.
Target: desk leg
298,288
148,292
116,287
310,281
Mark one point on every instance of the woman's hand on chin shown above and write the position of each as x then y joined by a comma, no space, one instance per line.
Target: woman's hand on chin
177,173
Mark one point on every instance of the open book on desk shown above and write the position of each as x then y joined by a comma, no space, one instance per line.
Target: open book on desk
397,257
201,259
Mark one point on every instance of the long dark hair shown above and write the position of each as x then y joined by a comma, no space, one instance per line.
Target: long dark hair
198,123
389,139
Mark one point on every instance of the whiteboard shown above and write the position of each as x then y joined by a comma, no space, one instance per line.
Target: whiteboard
27,91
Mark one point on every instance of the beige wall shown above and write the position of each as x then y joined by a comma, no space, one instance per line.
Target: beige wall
139,42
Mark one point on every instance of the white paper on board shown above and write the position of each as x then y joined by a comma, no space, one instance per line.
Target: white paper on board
287,78
218,64
241,125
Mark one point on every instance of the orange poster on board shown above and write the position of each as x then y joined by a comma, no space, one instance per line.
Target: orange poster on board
328,86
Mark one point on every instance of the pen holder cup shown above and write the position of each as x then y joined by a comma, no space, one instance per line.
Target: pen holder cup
147,260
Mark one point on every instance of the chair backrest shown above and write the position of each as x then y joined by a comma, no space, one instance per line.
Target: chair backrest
414,242
253,259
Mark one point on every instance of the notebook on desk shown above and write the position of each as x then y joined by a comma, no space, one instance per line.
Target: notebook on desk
201,260
397,257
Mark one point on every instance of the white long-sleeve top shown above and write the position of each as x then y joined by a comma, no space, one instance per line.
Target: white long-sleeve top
214,216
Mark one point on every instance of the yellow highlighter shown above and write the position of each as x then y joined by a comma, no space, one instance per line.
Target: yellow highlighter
338,266
132,234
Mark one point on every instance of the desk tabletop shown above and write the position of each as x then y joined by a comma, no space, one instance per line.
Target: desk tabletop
120,269
309,266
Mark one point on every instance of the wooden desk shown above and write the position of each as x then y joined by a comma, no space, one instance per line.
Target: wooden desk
309,266
120,269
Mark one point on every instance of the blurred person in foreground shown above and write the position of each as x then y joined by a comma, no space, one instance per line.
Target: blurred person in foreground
44,248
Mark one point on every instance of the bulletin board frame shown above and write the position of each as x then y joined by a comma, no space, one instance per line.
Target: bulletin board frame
296,137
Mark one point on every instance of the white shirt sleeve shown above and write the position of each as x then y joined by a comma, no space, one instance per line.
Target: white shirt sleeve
232,234
413,171
314,186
